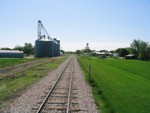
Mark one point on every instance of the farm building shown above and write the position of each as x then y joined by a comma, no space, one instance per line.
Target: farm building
103,53
11,54
130,56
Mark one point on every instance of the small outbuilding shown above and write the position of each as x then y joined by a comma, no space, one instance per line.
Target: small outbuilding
130,56
11,54
103,53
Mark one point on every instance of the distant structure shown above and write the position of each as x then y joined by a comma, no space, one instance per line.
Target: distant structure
87,46
11,54
130,56
45,46
87,49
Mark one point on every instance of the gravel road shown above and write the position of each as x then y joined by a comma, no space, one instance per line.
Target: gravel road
30,97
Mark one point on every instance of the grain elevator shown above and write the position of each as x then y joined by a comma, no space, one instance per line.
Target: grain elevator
45,46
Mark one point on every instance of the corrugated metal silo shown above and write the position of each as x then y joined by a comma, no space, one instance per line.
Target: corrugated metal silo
44,48
58,47
55,47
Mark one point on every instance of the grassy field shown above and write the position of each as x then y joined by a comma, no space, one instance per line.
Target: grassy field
6,62
11,87
119,86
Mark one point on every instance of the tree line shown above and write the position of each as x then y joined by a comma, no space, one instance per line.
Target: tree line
139,48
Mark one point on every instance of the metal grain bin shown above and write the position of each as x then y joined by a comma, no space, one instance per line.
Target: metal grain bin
44,48
58,52
56,47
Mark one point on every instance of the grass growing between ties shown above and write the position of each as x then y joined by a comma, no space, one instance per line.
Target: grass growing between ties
119,86
12,87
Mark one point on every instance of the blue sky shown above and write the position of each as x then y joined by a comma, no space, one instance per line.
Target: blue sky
104,24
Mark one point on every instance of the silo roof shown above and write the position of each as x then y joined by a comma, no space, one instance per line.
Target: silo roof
42,39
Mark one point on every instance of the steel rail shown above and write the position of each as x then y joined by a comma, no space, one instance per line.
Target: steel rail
49,93
69,95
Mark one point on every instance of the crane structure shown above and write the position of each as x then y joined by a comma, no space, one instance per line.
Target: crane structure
42,33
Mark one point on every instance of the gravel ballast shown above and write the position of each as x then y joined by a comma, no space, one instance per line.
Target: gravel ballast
30,97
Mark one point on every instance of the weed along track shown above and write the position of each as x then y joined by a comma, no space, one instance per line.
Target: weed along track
63,90
62,95
11,71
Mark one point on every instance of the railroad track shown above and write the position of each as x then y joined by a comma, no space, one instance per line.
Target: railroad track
62,96
11,71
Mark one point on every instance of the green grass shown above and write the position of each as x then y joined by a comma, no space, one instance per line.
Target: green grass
6,62
11,87
119,86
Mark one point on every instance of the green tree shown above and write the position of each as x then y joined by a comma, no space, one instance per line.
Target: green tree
118,50
87,51
78,51
141,49
28,48
130,50
136,46
104,51
18,47
123,52
5,48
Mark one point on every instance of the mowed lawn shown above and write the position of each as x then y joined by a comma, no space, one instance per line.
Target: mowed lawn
119,86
